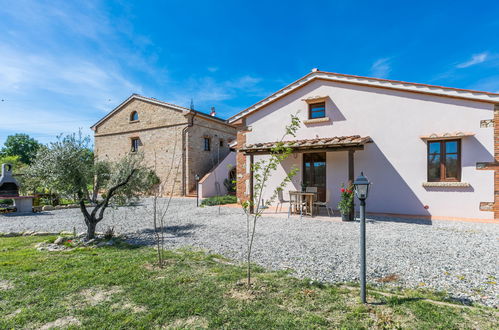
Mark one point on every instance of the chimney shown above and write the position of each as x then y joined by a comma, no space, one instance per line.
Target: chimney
213,112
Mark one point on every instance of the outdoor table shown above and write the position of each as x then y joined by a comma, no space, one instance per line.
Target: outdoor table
300,197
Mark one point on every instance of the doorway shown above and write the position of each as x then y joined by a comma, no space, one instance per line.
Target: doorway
314,172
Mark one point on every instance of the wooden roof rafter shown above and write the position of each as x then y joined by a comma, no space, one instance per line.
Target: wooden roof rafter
338,143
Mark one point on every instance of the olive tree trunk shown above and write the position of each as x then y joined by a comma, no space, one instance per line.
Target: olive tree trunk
94,217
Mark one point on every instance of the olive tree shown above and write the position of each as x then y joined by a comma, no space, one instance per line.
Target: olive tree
68,168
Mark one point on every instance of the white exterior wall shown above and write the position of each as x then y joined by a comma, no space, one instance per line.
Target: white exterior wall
396,160
208,184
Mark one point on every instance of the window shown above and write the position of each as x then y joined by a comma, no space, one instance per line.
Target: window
221,144
135,144
207,144
444,160
317,110
134,116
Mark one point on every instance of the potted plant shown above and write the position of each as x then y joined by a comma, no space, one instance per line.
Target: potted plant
230,185
346,202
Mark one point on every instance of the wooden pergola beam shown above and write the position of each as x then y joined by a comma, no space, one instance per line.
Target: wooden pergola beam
298,151
351,174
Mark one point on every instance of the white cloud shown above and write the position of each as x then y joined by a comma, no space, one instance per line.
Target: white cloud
475,59
244,82
86,80
64,64
381,68
207,90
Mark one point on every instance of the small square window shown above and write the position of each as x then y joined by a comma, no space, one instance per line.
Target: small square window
207,142
221,143
135,144
317,110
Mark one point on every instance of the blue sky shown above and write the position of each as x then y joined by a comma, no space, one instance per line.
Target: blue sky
65,64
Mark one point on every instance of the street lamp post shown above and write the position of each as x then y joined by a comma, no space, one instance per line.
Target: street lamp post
361,185
196,177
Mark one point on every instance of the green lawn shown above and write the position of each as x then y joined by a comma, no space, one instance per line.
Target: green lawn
119,287
219,200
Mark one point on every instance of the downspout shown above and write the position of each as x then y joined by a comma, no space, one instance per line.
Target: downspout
184,151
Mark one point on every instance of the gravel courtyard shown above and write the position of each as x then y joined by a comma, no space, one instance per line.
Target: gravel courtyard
458,257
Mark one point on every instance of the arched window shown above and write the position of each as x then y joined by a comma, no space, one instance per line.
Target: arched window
134,116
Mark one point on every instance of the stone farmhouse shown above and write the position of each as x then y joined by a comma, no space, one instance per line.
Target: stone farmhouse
179,143
430,151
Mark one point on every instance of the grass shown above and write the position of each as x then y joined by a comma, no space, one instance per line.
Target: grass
219,200
120,287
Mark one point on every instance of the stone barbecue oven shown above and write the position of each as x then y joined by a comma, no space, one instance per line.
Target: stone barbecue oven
8,185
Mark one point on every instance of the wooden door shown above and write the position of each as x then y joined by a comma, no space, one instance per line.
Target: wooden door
314,173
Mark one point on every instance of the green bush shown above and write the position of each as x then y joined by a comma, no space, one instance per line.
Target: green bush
6,201
219,200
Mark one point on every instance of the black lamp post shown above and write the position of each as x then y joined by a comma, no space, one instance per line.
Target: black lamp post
361,185
196,177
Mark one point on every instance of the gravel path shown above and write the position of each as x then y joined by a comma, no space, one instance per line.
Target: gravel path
458,257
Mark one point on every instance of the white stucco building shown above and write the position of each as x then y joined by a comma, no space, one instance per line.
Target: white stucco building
429,151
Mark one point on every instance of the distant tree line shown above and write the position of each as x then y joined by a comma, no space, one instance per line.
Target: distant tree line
19,149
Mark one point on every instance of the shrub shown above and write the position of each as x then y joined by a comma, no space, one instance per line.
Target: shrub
219,200
346,201
230,185
6,202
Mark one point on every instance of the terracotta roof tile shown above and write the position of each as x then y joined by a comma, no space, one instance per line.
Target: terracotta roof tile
318,143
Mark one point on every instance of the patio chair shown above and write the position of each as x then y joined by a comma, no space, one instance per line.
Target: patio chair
311,189
295,201
280,200
324,204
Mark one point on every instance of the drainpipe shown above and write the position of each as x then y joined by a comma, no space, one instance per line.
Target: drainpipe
184,151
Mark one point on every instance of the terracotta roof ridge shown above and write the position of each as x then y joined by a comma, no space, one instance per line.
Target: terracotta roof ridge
408,82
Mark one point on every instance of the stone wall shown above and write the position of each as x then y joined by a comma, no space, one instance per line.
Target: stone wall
159,129
496,158
492,166
241,170
160,132
200,161
150,116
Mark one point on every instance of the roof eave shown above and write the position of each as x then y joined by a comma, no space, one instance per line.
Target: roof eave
361,141
441,91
